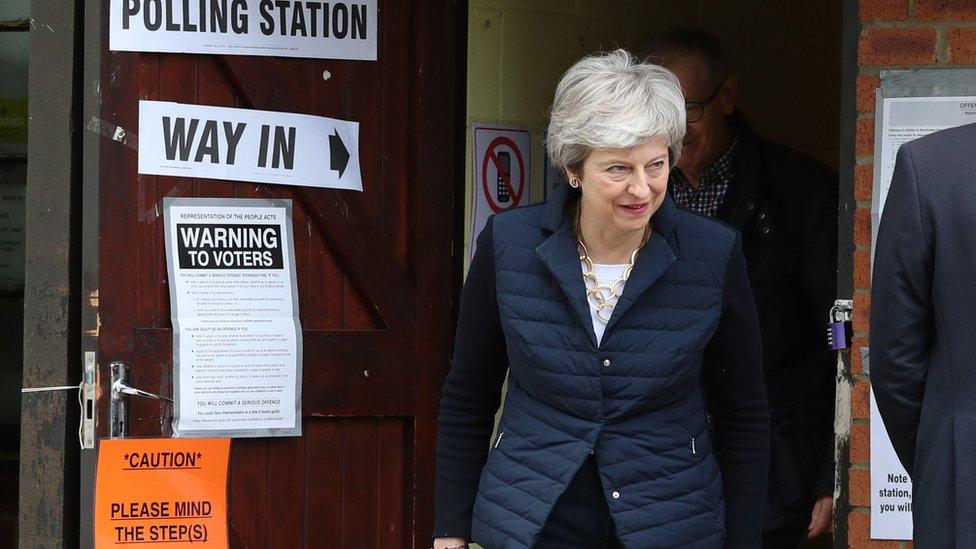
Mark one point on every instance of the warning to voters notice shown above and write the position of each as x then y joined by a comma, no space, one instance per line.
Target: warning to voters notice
161,491
236,333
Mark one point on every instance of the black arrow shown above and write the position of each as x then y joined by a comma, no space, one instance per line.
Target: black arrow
338,155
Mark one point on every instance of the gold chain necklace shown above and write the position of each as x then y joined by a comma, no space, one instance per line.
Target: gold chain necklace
602,298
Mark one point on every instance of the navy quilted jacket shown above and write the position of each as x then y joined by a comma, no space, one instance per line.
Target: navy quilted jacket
683,333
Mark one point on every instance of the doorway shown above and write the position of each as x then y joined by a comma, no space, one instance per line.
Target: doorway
786,56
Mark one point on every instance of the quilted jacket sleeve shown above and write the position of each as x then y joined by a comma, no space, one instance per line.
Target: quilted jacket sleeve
736,396
471,395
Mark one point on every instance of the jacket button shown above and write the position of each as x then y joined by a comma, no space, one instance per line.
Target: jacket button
606,362
616,495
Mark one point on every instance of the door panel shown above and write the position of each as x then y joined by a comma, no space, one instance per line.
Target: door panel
375,271
345,477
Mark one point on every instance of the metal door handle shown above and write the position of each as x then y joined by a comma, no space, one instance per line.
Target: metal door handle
119,388
119,410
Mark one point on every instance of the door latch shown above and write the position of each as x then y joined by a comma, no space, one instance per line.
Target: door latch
86,400
86,433
840,325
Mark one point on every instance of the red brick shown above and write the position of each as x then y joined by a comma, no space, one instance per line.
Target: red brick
896,46
860,400
866,84
859,533
863,181
859,483
857,365
962,46
883,10
858,529
862,270
862,226
860,443
862,313
864,140
945,10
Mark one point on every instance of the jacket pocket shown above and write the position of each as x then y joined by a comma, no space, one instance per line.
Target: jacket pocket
695,429
498,439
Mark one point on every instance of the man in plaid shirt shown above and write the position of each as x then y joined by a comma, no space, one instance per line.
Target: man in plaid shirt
785,206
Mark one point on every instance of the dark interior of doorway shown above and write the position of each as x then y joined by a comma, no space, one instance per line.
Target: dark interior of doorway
13,160
11,349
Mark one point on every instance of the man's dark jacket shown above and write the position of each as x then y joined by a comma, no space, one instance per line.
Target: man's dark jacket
785,205
923,313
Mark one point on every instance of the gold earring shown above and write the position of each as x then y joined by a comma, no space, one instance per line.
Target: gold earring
575,182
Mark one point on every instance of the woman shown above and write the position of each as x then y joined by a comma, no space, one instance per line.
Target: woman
617,316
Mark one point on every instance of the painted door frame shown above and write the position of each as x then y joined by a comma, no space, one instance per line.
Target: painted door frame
850,31
49,449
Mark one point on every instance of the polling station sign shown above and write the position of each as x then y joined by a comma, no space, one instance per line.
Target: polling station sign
286,28
161,493
279,148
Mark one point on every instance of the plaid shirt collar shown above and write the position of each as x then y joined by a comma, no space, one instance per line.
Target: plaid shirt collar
713,184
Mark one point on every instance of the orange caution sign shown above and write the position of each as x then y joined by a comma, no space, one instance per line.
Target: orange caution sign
161,491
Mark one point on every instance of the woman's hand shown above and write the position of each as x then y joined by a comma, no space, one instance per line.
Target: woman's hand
450,543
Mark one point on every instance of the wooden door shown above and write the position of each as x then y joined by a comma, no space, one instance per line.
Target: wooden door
376,278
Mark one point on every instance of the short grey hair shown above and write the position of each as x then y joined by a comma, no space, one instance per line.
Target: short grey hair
612,101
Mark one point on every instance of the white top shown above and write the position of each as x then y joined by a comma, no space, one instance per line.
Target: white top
606,275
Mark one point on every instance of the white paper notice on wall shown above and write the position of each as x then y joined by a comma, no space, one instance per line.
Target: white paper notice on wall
285,28
248,145
502,165
891,487
237,338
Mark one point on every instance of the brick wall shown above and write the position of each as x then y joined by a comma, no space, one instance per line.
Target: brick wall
895,34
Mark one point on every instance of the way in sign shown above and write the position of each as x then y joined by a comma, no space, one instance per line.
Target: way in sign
181,139
279,148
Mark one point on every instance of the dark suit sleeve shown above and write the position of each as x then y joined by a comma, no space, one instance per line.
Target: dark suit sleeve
817,255
736,396
901,309
471,395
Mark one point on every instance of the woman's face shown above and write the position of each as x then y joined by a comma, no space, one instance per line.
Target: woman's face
622,188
